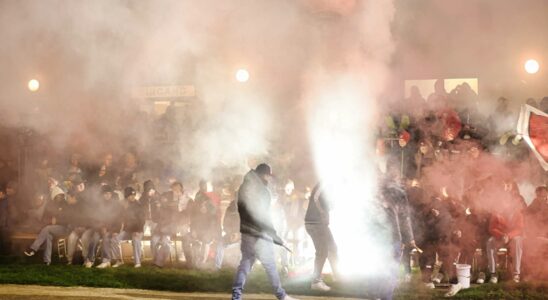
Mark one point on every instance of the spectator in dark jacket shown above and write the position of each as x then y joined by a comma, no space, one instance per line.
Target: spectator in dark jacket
8,213
58,225
506,229
204,225
394,204
317,225
80,222
258,234
36,211
133,224
167,214
107,223
231,228
148,200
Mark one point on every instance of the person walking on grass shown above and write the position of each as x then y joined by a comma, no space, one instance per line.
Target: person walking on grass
317,226
258,233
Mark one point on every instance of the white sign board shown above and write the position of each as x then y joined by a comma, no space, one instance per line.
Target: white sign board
165,91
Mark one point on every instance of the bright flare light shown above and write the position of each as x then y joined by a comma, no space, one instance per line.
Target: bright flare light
242,75
33,85
531,66
346,165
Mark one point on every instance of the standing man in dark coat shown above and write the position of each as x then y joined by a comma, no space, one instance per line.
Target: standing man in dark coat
258,233
394,204
317,226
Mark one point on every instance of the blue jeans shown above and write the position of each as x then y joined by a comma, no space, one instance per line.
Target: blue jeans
46,236
262,249
136,241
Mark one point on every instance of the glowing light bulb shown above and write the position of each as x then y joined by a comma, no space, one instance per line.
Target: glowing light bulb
531,66
242,75
33,85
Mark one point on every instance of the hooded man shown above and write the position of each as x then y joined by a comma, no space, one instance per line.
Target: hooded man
257,229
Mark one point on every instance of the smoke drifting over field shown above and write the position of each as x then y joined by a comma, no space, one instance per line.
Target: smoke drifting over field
322,72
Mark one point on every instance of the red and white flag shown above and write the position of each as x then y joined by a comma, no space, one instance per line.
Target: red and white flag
533,127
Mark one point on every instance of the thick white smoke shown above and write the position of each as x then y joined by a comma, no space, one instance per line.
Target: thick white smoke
90,55
344,98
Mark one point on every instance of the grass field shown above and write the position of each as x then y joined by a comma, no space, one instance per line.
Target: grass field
18,270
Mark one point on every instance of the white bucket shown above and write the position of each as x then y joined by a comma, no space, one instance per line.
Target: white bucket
463,275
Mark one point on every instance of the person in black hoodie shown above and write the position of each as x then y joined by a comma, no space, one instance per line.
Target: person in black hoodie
134,222
204,224
84,221
57,225
436,238
258,233
167,216
317,226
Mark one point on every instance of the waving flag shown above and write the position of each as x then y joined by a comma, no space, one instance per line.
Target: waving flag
533,126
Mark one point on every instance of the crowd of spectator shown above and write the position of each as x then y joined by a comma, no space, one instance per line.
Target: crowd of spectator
96,206
461,170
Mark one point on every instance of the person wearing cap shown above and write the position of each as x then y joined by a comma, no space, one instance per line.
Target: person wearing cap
57,216
258,233
133,217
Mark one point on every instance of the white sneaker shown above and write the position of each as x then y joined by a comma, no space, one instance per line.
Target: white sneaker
493,279
103,265
287,297
117,264
430,285
453,290
407,278
516,278
438,278
481,278
88,264
320,286
137,266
